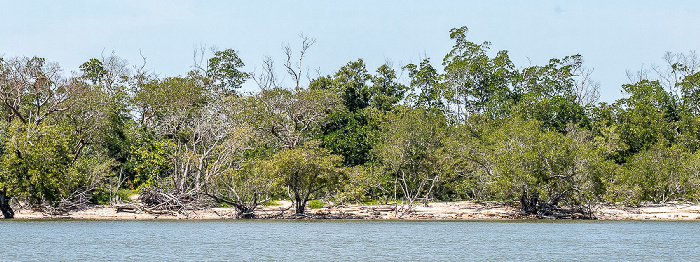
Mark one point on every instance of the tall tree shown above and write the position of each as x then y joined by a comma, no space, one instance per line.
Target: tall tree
426,85
223,70
475,82
351,81
386,91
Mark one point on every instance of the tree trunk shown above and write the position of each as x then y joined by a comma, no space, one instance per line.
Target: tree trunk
5,207
244,211
528,204
299,205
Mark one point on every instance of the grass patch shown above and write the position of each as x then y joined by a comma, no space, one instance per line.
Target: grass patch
316,204
124,194
386,202
270,203
104,197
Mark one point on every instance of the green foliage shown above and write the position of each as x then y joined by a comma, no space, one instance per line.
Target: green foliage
149,162
93,70
647,117
126,194
476,82
223,70
351,135
553,79
408,149
658,175
307,172
270,203
386,91
516,160
40,165
171,97
555,113
425,79
477,128
249,186
101,198
351,81
316,204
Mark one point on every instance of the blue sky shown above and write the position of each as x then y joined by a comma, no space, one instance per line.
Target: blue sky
612,36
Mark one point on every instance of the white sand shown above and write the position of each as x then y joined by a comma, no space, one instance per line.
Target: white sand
462,210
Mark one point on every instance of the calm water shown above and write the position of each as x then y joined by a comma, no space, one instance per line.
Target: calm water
348,241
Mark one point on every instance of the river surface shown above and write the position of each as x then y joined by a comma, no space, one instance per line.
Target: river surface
329,240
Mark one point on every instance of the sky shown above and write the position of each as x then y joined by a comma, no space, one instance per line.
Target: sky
612,36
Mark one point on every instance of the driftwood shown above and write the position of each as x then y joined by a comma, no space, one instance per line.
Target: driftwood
244,209
534,206
79,200
156,201
127,208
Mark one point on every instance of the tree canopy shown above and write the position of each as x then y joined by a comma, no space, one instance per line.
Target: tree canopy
475,127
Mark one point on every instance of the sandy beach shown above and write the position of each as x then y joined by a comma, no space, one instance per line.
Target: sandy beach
461,210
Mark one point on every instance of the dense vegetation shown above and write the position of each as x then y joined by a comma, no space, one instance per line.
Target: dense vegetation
478,128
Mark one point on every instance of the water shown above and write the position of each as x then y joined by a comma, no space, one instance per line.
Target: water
270,240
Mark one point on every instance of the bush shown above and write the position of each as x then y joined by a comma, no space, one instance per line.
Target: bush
124,194
316,204
100,198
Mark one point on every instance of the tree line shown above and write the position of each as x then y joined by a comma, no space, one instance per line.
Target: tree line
474,128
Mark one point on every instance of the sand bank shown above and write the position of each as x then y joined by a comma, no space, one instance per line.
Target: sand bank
461,210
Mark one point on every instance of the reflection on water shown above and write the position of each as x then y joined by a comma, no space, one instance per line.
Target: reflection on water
347,240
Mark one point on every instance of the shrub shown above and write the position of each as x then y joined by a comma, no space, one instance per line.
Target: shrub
316,204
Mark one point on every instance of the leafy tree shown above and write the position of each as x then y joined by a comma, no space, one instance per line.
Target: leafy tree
93,70
467,160
551,80
351,81
386,91
426,80
658,174
516,161
167,98
223,70
647,117
555,113
32,89
351,135
51,117
307,171
43,166
475,82
540,169
407,151
245,187
148,161
690,87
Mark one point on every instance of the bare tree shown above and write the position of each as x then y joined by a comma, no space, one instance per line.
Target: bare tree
245,187
678,67
295,70
284,115
117,73
266,79
586,90
32,89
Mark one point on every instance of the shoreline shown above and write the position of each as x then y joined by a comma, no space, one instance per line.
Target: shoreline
459,210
